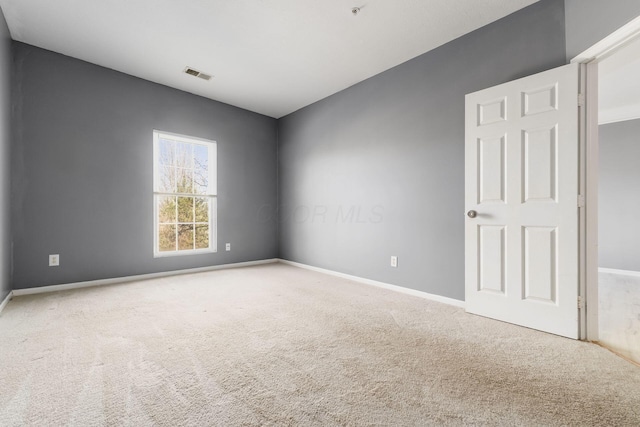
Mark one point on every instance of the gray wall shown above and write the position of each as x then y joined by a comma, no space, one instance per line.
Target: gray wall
82,171
589,21
378,169
619,196
5,164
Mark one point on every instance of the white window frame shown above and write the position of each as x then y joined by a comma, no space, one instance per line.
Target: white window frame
212,192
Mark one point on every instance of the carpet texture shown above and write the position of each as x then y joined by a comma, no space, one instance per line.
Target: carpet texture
277,345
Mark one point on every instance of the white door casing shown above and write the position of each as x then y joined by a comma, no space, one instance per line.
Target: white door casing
522,176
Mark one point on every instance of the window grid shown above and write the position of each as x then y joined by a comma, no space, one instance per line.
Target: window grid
190,229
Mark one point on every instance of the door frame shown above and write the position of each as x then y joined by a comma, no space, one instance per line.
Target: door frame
589,160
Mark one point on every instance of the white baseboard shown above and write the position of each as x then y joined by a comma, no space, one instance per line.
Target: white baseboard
101,282
415,293
620,272
4,303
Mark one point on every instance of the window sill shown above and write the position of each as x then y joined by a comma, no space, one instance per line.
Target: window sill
184,253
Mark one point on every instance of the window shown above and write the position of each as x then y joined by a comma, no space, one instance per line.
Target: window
184,194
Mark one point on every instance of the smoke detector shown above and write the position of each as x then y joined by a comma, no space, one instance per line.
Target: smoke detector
196,73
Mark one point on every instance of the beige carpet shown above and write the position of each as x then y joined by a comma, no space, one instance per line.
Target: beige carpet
278,345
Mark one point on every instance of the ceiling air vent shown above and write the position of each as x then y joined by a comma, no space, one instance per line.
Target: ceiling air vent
196,73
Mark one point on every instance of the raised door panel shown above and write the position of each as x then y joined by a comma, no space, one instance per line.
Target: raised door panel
492,259
539,165
540,269
492,178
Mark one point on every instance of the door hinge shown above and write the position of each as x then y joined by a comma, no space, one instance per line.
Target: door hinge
580,303
580,100
580,201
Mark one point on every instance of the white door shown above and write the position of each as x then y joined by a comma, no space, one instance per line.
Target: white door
521,197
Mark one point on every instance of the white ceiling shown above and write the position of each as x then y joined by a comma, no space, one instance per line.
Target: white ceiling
619,84
268,56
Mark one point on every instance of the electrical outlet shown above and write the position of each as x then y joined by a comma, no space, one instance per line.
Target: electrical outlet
54,260
394,261
228,247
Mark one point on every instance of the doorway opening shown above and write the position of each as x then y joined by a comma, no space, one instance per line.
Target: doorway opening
613,180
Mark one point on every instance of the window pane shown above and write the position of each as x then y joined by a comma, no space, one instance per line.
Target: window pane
184,180
201,169
202,209
184,155
167,178
166,209
185,209
185,212
167,238
202,236
185,237
167,152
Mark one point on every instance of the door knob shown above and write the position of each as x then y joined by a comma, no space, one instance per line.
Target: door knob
472,214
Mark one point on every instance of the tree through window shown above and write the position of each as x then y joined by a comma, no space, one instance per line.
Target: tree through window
184,194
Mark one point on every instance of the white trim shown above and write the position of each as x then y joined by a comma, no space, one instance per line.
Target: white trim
211,194
413,292
582,194
619,119
610,43
629,273
591,166
101,282
4,303
182,138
